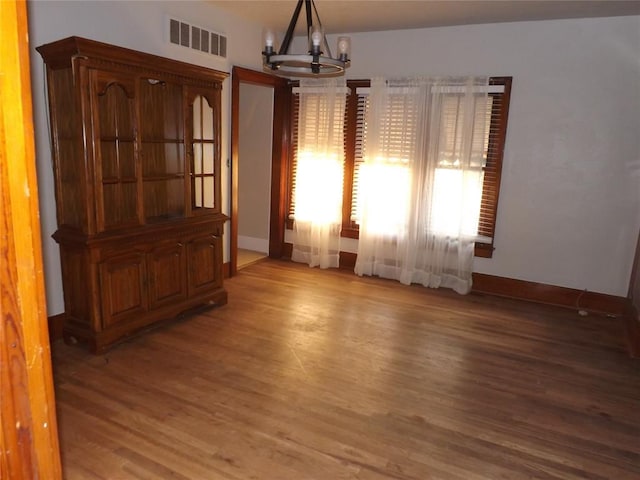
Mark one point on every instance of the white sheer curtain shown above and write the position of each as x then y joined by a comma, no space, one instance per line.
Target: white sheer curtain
319,172
422,180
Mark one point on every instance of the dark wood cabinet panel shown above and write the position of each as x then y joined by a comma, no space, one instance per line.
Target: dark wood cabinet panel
136,160
205,264
167,274
123,286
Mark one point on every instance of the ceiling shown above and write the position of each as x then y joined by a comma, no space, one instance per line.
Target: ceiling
346,16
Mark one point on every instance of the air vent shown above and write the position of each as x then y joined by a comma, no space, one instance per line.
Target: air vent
198,38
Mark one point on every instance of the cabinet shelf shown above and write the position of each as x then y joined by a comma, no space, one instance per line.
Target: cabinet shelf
162,178
162,140
113,180
119,139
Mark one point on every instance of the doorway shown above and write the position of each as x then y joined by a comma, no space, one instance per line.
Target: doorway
260,115
254,172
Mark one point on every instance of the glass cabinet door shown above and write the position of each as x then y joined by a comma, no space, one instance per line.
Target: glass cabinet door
205,154
162,150
116,176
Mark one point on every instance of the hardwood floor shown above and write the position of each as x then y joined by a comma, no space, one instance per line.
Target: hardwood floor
310,374
249,257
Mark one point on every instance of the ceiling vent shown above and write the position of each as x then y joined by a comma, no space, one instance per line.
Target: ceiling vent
198,38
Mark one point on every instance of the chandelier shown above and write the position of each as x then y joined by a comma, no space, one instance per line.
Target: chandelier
318,62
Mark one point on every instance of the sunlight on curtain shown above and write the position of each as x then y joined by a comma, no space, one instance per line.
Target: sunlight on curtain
422,180
382,190
318,196
319,173
456,198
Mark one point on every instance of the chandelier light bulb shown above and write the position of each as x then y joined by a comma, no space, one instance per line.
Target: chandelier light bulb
316,37
343,46
269,38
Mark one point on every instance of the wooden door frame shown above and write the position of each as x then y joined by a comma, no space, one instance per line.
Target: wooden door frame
28,428
279,154
633,316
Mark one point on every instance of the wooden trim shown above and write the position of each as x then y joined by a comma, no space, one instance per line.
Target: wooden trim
549,294
350,229
28,426
634,281
226,270
56,326
633,331
484,250
528,291
633,317
279,166
235,139
286,250
493,168
62,53
348,260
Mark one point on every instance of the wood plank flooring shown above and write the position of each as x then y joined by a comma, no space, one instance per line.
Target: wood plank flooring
249,257
310,374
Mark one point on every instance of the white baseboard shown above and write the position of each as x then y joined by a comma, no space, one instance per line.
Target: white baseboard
255,244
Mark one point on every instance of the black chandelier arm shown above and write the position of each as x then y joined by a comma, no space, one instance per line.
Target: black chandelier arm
324,37
307,7
284,48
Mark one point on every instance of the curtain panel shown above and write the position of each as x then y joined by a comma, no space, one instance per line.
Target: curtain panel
319,174
421,181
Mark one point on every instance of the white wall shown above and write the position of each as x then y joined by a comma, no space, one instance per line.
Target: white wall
138,25
254,166
569,208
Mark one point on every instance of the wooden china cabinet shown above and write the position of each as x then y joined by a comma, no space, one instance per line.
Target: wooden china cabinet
136,159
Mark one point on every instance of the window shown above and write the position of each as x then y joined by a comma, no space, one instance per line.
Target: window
491,142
